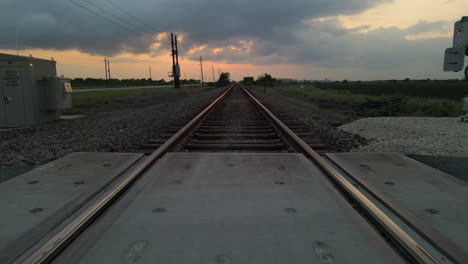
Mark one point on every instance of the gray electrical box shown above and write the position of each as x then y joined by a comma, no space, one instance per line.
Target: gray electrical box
58,91
30,91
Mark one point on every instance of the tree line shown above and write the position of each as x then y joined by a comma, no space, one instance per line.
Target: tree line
263,80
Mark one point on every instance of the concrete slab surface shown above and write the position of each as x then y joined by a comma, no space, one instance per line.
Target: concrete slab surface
35,202
230,208
434,197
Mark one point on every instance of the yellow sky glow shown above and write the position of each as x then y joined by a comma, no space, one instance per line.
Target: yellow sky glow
405,13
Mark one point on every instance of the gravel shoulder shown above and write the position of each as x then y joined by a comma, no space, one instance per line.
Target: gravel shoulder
108,131
441,143
338,140
436,136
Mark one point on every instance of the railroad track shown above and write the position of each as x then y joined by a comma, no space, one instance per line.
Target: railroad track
237,122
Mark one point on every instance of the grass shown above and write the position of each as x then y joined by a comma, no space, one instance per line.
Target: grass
344,105
118,99
442,89
78,87
428,106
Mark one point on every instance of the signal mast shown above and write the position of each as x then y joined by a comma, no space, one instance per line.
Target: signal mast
455,56
175,61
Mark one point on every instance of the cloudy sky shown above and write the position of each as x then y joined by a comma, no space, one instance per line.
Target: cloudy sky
304,39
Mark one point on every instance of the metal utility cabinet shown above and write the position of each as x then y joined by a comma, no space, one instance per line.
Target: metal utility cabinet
30,91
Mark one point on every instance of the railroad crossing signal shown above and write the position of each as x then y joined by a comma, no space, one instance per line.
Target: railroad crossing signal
455,56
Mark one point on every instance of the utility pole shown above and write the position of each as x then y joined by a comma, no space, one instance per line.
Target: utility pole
150,72
212,70
175,61
201,69
108,69
105,66
17,49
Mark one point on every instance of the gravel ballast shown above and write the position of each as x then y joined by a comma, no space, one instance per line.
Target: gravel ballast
437,136
338,140
111,131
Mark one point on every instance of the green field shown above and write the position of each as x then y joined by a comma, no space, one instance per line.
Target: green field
121,99
76,87
439,89
342,100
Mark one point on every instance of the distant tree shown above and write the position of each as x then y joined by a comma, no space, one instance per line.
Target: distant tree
266,80
249,81
223,79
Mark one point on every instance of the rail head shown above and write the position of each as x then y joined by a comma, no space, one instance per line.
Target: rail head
412,247
50,248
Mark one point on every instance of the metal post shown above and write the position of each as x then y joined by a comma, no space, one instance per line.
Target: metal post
17,49
105,67
150,72
212,70
175,61
108,69
177,76
201,69
176,50
172,49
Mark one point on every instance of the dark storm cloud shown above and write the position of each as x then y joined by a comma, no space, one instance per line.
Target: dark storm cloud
60,24
257,32
329,44
132,60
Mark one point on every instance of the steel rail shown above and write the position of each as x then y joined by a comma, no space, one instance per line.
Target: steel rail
50,248
404,239
440,241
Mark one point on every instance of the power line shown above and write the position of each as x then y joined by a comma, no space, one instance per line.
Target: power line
128,21
103,17
201,69
129,15
109,13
